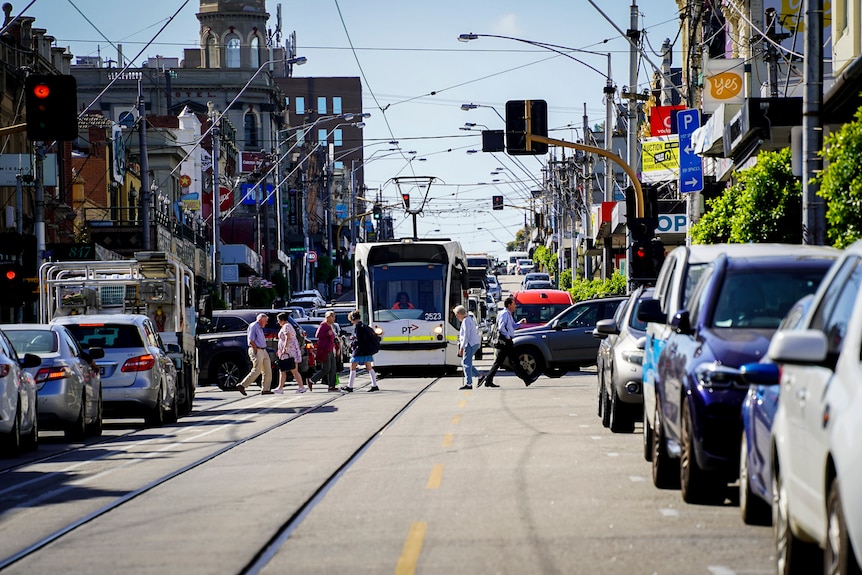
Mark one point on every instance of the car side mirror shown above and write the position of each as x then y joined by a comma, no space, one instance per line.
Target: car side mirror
649,310
681,323
31,360
607,327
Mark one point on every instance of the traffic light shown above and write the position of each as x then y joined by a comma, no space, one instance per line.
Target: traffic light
647,259
523,117
497,202
376,211
51,105
12,282
406,198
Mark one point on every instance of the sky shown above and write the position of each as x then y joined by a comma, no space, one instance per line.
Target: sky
415,76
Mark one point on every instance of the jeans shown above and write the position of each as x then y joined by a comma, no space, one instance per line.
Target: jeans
467,362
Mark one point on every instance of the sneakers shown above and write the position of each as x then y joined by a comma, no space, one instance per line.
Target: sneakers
278,391
466,386
491,384
301,390
375,388
241,389
346,389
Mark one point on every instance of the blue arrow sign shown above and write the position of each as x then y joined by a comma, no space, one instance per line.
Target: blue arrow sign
690,164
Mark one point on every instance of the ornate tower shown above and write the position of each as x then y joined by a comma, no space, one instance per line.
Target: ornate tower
233,33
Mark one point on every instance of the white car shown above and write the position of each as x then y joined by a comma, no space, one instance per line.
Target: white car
494,289
19,424
817,429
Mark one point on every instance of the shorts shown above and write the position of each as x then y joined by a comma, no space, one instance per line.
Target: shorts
288,364
361,359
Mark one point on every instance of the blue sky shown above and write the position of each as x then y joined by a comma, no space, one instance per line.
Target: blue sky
415,76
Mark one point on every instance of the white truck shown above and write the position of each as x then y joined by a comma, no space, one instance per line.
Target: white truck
155,284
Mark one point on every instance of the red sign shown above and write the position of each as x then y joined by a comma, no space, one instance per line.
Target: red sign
225,199
659,119
248,161
311,257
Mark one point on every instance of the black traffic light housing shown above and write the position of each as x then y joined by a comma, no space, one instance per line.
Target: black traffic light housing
497,202
406,199
51,104
376,211
12,282
647,259
526,117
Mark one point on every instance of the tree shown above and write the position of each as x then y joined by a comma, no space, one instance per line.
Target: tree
764,204
841,183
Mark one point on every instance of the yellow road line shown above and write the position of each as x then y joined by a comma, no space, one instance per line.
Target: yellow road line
436,477
456,420
447,439
463,403
412,548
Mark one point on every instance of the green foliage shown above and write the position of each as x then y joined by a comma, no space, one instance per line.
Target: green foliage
566,279
841,183
587,289
763,205
546,260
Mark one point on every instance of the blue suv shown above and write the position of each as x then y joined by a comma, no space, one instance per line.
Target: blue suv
729,320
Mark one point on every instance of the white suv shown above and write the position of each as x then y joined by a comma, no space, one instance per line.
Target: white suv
817,430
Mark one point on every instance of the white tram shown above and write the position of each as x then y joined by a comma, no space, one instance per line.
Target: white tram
406,290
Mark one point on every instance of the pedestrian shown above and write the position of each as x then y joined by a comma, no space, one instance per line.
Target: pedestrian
260,363
505,347
468,344
364,343
326,352
289,355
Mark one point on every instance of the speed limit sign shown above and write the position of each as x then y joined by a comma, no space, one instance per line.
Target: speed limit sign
312,257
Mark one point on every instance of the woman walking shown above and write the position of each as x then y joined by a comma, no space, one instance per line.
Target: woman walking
468,344
364,343
289,355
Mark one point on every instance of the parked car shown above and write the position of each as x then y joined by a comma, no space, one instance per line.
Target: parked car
525,266
538,284
733,312
538,307
566,342
758,413
494,289
68,385
223,345
535,276
618,364
19,422
308,299
817,466
138,377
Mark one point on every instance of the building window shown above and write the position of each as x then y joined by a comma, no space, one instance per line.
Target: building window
251,133
321,136
336,137
336,105
232,52
300,136
254,54
321,105
299,105
211,52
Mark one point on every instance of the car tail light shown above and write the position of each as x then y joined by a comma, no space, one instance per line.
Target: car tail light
140,363
51,373
4,369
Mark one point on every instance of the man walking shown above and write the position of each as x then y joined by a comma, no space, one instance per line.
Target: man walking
506,331
259,357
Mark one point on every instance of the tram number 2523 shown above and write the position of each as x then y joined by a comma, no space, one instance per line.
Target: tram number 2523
433,316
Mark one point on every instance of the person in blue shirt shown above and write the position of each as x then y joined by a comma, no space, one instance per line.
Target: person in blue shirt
468,343
505,349
260,363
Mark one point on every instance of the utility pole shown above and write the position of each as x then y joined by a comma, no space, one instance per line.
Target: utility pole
813,208
771,52
146,194
633,157
216,191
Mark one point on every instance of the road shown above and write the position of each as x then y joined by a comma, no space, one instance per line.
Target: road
419,478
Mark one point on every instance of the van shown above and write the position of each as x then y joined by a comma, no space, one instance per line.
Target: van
512,261
539,306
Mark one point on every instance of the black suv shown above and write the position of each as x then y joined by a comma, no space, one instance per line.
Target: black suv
223,349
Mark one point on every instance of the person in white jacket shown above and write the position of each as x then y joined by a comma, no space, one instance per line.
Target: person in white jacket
468,344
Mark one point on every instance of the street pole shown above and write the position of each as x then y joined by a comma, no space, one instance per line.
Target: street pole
216,197
813,208
146,196
632,34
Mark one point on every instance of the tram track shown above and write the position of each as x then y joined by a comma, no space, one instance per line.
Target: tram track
265,553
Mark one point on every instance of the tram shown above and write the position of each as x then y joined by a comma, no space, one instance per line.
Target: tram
405,290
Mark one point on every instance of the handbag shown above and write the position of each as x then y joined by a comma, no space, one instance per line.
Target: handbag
498,342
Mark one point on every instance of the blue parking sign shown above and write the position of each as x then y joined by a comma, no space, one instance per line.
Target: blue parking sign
690,164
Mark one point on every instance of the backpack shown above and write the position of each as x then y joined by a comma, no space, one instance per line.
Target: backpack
372,339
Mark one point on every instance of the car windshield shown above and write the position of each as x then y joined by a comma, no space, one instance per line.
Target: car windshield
107,336
33,340
539,313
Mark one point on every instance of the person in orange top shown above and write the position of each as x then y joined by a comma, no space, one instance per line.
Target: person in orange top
402,301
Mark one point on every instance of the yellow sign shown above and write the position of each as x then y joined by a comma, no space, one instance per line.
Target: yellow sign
660,159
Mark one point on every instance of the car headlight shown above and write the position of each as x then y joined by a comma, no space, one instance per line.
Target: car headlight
715,375
634,356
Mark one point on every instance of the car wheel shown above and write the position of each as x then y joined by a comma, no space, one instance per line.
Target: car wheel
556,372
599,394
606,407
665,470
839,556
11,442
647,437
173,413
78,428
754,510
94,428
531,362
228,372
792,555
156,416
31,441
621,421
697,485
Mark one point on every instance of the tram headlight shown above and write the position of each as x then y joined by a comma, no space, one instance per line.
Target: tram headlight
378,330
438,331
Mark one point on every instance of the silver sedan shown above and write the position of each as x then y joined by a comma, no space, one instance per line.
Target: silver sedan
68,384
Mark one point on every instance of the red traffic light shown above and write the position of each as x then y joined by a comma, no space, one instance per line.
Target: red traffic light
41,91
406,198
640,252
11,274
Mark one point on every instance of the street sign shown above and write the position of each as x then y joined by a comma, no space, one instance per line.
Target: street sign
311,257
690,164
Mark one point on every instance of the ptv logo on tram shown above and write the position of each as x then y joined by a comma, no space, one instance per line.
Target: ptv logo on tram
408,329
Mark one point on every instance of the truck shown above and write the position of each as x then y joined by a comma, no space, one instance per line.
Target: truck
154,283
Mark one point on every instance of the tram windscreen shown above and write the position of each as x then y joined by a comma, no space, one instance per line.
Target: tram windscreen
408,291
